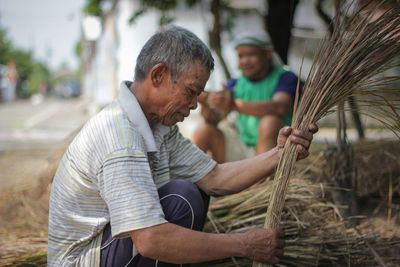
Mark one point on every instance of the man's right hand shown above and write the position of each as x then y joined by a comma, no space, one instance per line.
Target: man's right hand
264,245
221,101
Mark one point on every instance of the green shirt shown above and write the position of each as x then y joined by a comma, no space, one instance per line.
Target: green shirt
256,91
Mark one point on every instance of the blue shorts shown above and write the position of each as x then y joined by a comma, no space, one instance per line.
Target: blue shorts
183,204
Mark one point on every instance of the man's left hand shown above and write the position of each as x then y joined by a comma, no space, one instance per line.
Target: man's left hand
302,139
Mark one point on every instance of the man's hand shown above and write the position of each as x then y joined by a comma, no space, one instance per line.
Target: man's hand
264,245
211,116
221,101
302,139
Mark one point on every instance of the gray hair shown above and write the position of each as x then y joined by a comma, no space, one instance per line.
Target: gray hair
177,48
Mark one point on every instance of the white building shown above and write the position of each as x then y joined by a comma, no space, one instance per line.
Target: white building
113,57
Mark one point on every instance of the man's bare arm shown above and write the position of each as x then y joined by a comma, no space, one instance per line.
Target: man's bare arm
280,105
174,244
232,177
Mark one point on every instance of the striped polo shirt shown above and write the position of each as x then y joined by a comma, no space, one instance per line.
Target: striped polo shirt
110,173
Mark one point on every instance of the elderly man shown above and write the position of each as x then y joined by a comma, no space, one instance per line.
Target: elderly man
263,96
131,191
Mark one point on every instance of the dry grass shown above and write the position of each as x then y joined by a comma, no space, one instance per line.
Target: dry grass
346,64
315,233
24,213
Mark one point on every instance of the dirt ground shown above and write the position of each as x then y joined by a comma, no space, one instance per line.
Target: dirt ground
24,210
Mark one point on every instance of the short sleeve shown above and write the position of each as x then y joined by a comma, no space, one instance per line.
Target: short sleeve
186,160
287,83
230,85
126,185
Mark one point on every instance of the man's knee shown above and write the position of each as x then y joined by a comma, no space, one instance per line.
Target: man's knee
204,131
269,125
184,204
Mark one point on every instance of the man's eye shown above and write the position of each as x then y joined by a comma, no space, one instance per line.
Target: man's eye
191,92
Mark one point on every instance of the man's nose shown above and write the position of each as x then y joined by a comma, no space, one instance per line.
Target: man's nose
193,103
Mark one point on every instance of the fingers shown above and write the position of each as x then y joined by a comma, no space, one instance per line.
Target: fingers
303,139
280,233
265,245
300,140
277,257
313,128
302,152
303,134
274,260
279,253
303,142
280,243
285,131
218,100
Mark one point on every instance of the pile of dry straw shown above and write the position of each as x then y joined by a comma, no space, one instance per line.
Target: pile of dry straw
315,233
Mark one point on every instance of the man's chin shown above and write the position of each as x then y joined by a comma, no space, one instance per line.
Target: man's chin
173,120
170,123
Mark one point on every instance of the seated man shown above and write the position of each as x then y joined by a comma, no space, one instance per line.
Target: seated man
130,190
263,96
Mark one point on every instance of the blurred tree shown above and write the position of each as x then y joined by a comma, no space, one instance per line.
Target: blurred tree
24,62
222,13
162,6
5,48
93,7
31,73
223,21
78,53
279,23
78,48
220,9
37,77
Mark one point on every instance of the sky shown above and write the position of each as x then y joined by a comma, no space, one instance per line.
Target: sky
50,28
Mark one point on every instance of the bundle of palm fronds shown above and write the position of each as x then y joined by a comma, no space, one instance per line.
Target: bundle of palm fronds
314,232
348,63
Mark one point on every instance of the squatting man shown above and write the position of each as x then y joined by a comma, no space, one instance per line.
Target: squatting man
130,190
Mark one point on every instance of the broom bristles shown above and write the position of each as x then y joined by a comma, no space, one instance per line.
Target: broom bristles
360,48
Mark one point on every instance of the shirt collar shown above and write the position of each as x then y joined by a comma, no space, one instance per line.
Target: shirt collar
136,116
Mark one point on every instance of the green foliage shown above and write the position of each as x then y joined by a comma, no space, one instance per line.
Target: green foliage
162,5
137,14
78,48
24,62
93,8
165,20
190,3
229,16
31,73
5,48
37,76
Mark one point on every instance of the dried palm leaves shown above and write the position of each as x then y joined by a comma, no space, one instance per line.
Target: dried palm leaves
361,47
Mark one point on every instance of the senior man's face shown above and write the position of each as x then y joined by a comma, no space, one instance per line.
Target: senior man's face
183,93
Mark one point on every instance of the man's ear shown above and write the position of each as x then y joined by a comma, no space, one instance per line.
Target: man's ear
158,73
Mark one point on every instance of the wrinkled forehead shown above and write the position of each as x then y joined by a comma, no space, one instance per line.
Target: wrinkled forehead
196,68
252,49
196,75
